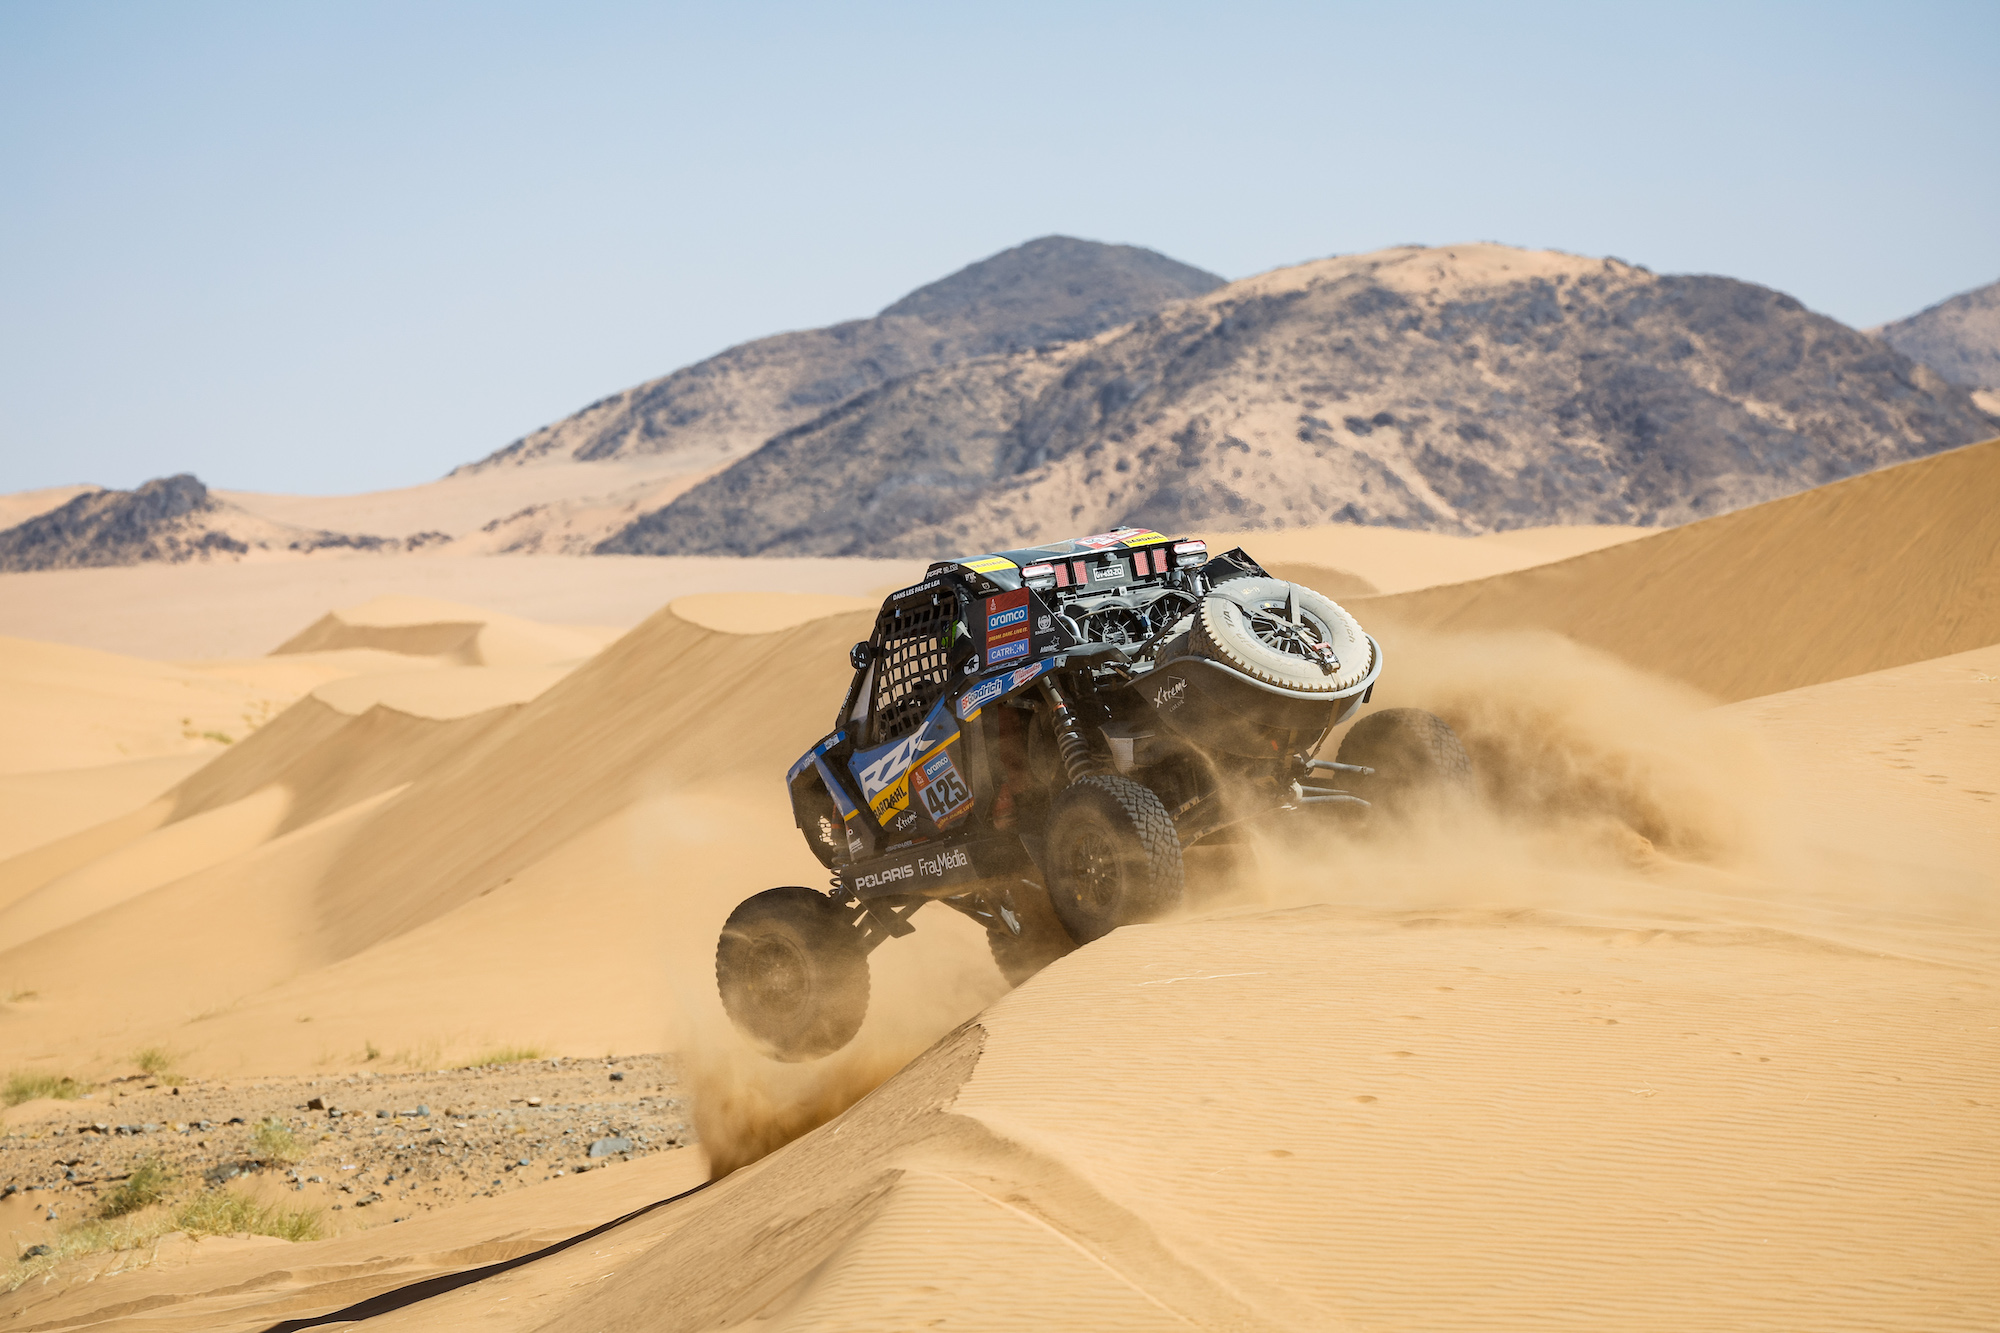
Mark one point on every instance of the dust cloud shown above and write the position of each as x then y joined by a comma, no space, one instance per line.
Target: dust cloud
746,1105
1596,785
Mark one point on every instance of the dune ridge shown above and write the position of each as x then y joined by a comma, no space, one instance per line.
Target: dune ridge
1898,566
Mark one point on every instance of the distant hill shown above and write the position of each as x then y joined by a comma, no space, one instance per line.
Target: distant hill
170,520
1461,389
1051,290
1958,338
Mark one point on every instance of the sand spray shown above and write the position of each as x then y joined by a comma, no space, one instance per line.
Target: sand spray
744,1104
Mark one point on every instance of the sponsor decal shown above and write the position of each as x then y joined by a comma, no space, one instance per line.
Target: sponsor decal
980,695
1127,537
940,790
895,800
991,564
1045,624
1007,626
904,822
937,867
925,586
886,875
986,691
945,863
1171,697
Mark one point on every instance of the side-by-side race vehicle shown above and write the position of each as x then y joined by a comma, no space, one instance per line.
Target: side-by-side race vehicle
1034,737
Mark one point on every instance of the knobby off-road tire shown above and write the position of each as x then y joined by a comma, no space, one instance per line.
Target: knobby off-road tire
1042,940
793,974
1246,624
1113,857
1416,756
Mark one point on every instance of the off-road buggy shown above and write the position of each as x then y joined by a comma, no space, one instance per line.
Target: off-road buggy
1036,739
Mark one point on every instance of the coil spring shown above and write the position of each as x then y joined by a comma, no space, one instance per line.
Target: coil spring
1078,762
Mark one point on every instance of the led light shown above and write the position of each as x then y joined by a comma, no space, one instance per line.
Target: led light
1031,572
1186,552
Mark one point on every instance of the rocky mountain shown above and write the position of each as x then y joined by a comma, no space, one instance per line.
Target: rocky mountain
1051,290
1463,389
170,520
1958,338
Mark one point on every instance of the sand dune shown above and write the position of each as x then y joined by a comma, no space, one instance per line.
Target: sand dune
1693,1025
1898,566
1389,560
461,635
241,610
38,808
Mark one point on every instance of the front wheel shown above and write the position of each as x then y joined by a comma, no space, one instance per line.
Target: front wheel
793,973
1113,856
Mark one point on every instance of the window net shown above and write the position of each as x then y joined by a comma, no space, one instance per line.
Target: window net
912,673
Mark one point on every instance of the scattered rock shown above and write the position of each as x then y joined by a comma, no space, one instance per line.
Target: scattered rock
35,1251
607,1146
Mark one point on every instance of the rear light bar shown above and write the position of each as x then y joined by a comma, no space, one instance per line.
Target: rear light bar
1037,573
1190,553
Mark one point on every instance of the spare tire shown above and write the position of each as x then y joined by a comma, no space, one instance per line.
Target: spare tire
1282,634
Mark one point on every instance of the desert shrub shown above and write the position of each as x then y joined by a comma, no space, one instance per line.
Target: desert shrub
510,1055
26,1087
273,1141
149,1183
156,1061
96,1237
222,1213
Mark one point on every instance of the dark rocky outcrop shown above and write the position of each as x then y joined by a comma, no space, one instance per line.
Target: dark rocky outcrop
1958,338
169,520
1463,389
1052,290
157,522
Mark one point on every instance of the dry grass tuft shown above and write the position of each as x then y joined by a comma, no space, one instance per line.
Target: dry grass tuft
510,1055
22,1087
222,1213
149,1183
214,1213
273,1141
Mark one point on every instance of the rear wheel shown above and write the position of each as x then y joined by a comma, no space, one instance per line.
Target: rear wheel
1416,756
793,973
1113,856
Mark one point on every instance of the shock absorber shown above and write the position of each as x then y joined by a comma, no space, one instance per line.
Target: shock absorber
1078,762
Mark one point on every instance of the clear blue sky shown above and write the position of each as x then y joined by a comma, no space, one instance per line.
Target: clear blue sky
330,247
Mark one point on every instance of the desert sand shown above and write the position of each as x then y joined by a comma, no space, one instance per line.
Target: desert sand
1694,1022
